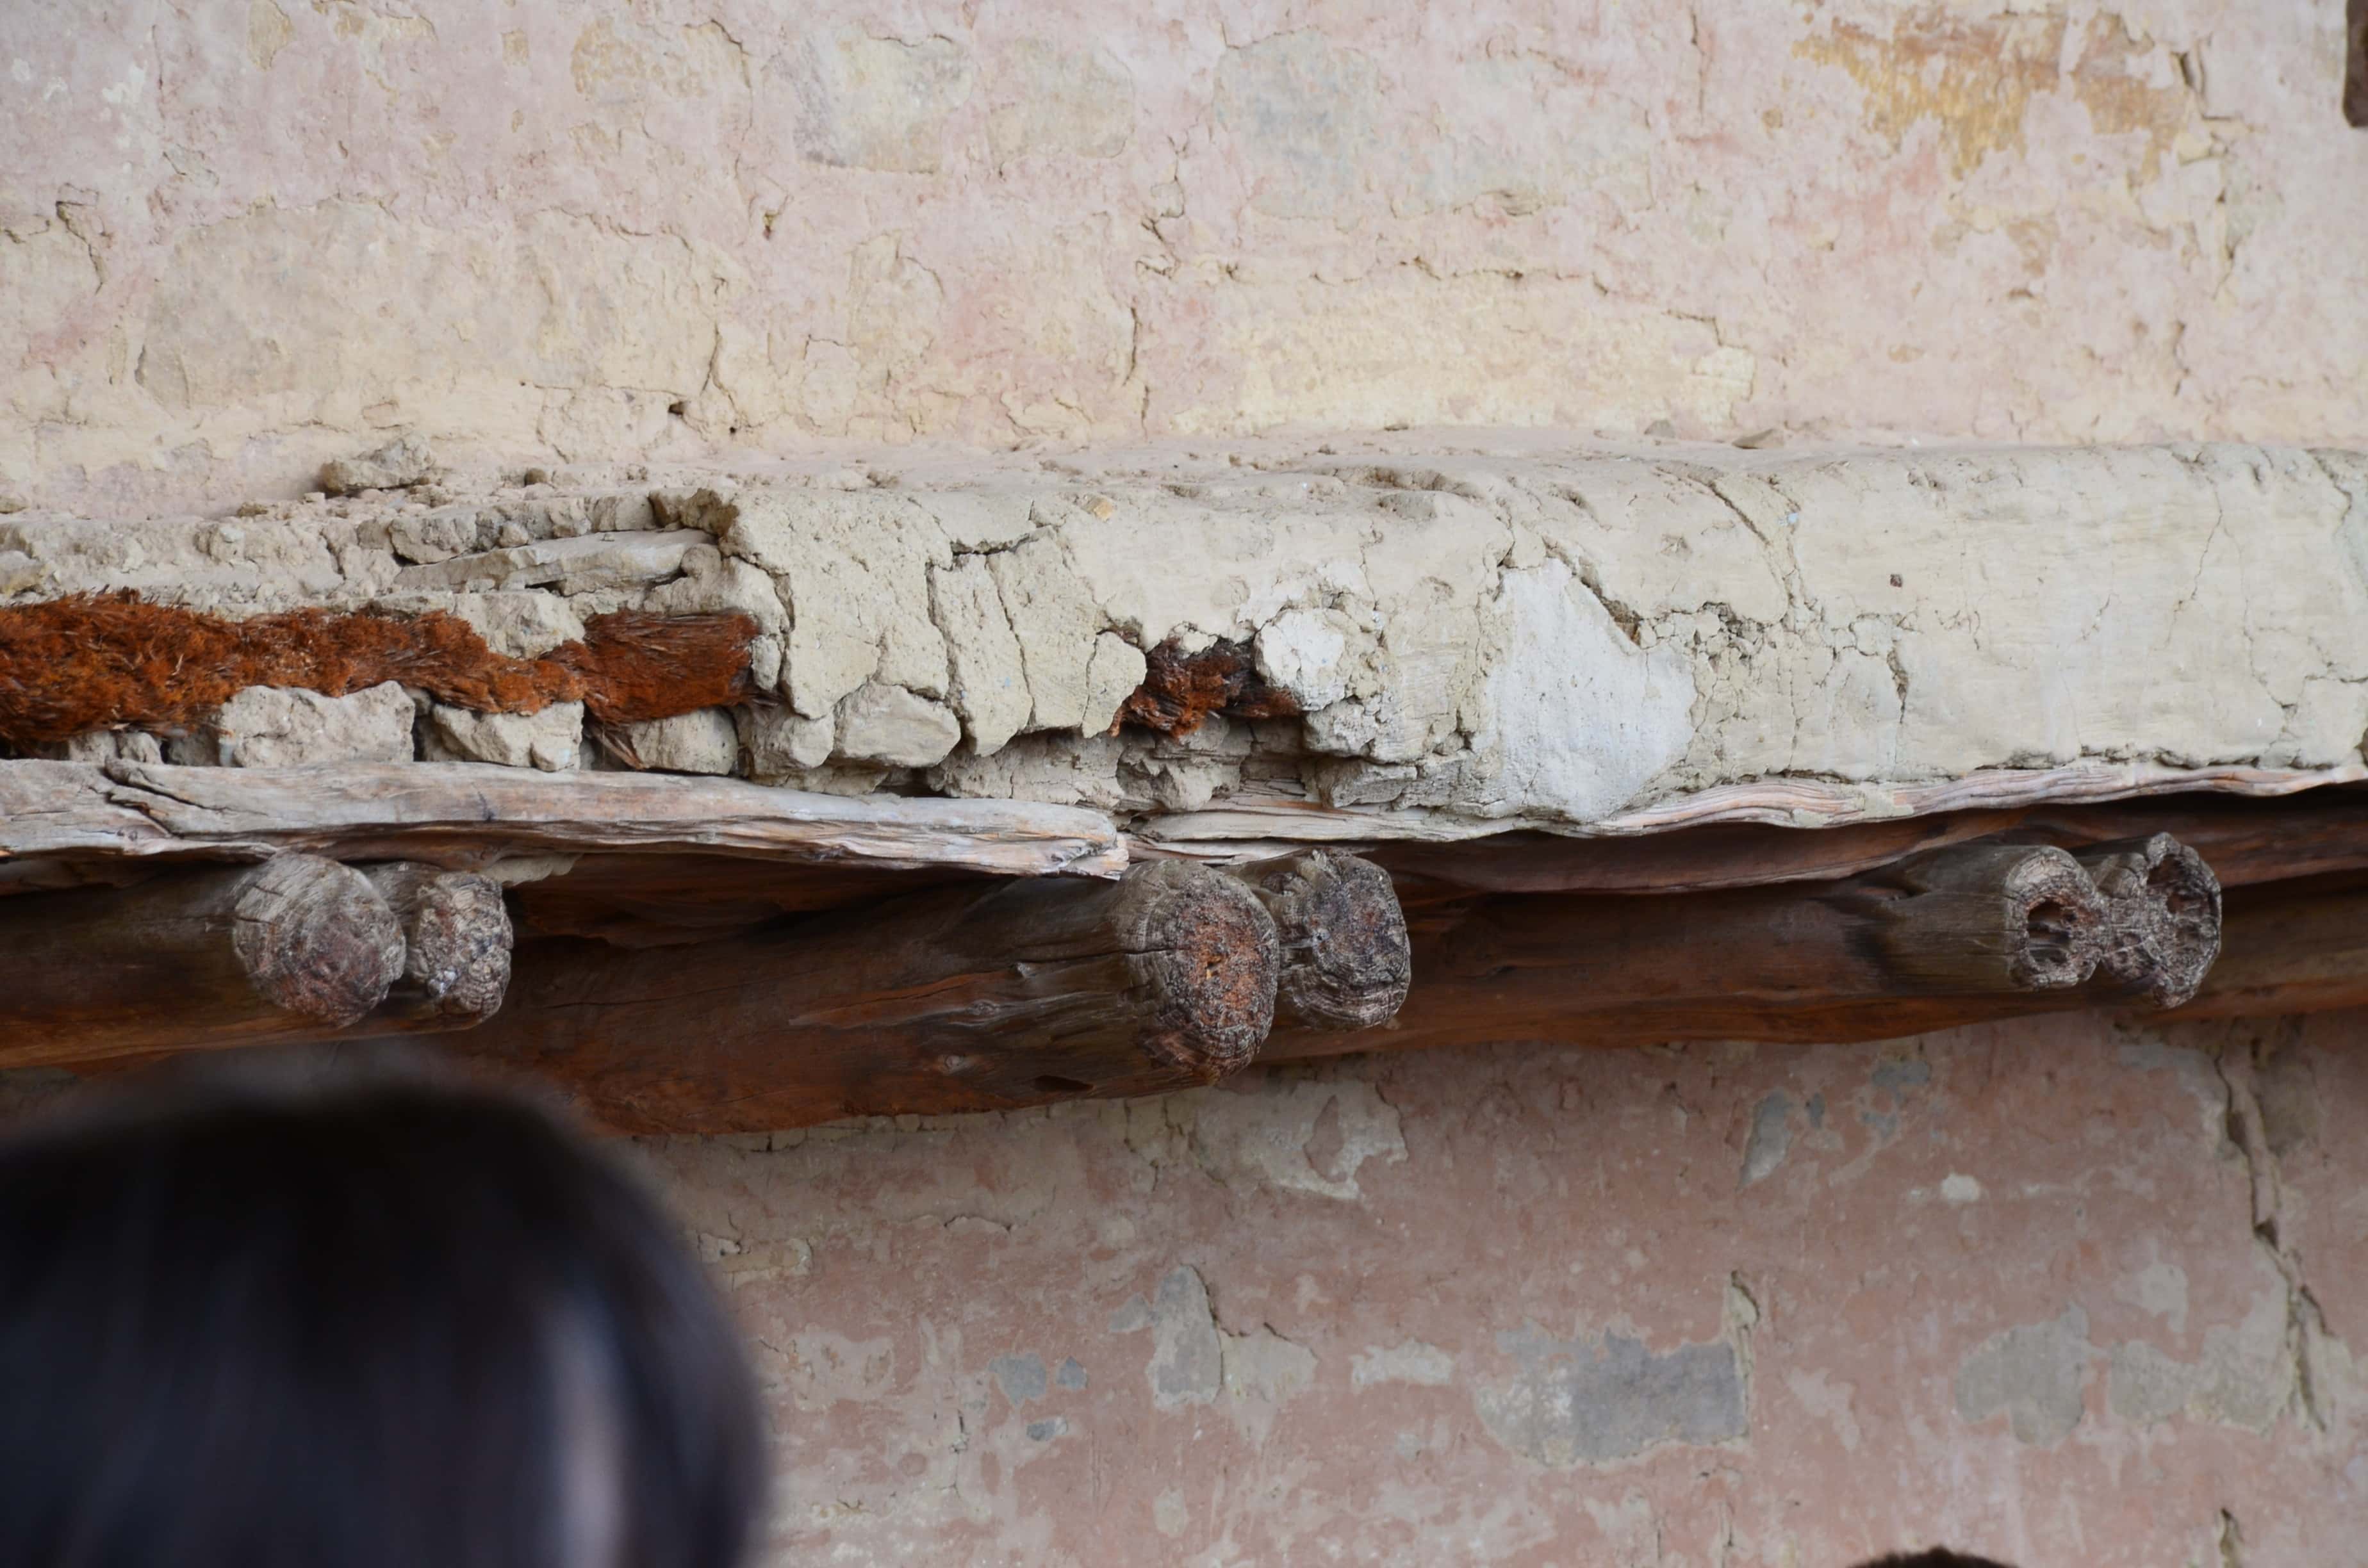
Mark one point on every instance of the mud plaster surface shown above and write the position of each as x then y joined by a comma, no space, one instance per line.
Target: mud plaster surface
2002,1287
1478,629
2060,1291
237,235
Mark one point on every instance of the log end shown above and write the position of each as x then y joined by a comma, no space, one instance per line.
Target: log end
1206,959
317,940
1347,963
456,939
2163,907
2055,921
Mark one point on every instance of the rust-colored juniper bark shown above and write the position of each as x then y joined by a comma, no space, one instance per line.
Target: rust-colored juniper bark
96,661
1181,689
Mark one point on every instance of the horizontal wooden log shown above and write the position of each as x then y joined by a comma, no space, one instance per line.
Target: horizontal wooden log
1346,961
956,999
457,942
291,949
2287,950
2006,928
656,900
464,816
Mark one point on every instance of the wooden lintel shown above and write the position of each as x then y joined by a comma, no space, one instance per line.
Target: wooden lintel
962,998
287,950
465,816
1955,936
2244,840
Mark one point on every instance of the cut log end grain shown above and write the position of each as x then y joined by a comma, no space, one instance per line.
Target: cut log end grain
315,939
2163,917
1206,958
1346,962
457,940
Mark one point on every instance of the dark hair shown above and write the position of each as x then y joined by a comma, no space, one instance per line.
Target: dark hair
1936,1558
378,1327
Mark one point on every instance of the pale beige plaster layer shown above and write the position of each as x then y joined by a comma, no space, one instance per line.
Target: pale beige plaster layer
236,235
1479,630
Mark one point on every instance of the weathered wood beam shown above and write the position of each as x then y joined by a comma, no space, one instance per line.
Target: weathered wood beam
457,942
467,816
287,950
1346,959
2246,841
954,999
1982,928
660,899
2300,949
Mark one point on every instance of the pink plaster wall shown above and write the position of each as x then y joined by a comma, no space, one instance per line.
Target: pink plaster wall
2019,1289
239,235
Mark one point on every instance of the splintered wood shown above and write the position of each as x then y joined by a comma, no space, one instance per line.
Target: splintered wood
100,660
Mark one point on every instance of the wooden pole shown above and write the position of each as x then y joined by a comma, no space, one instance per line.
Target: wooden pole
285,949
457,943
1909,947
1346,961
2298,950
960,999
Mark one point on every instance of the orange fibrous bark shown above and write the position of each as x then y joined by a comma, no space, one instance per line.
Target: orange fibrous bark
102,661
1181,689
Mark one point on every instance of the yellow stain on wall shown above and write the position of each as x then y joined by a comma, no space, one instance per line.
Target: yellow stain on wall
1974,79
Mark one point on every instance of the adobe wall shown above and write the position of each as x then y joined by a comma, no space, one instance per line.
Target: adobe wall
2055,1290
235,235
2058,1291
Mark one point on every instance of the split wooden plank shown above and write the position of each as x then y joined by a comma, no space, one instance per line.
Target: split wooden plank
2245,841
467,816
288,950
956,999
1250,824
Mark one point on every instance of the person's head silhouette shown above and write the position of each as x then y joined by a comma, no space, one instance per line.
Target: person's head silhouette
376,1327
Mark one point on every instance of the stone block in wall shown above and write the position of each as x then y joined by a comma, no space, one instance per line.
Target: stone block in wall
1114,670
272,726
702,741
106,746
522,624
402,463
779,742
582,565
890,724
551,740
